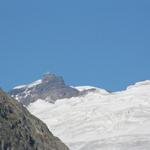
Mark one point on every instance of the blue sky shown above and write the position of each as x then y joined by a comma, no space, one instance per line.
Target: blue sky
104,43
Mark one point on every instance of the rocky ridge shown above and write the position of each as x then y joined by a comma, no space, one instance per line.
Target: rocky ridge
50,88
19,130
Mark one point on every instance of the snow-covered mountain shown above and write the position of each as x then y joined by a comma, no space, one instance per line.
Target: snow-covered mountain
50,88
99,120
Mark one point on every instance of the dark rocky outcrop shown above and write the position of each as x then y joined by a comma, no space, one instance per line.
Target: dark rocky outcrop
51,87
19,130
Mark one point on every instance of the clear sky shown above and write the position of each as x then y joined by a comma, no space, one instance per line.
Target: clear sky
104,43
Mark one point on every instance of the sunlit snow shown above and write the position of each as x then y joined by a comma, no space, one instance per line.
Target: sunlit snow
29,85
100,120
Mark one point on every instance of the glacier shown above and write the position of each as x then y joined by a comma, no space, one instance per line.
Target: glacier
100,120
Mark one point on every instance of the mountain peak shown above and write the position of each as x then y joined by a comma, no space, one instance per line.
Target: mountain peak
50,86
50,76
52,79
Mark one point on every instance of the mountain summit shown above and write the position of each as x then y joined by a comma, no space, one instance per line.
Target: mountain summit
50,87
91,118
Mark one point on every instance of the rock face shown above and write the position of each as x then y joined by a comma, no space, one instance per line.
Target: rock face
19,130
50,87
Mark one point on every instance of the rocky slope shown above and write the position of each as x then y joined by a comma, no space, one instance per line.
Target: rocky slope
19,130
50,87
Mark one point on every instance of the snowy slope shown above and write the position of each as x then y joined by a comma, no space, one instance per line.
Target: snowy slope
100,120
29,85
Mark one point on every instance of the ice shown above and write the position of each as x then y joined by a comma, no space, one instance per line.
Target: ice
35,83
28,85
19,87
100,120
